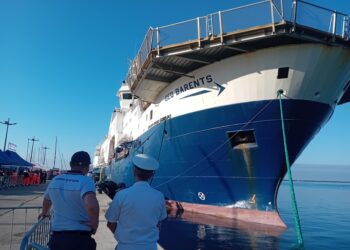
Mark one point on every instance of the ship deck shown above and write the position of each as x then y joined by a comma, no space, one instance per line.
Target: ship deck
173,51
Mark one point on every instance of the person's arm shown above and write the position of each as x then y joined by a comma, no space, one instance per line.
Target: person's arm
163,213
45,209
112,226
93,210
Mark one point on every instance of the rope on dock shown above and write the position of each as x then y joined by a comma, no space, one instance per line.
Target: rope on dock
292,193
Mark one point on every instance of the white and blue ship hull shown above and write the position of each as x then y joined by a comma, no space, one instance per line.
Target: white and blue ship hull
201,167
192,127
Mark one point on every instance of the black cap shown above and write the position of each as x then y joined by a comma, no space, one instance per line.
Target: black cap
80,158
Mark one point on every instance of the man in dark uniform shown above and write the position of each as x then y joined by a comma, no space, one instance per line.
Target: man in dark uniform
75,207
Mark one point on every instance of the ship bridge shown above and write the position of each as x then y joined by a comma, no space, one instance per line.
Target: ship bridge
173,51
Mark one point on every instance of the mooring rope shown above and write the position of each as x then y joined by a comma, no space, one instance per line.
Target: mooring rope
147,138
160,148
161,143
292,193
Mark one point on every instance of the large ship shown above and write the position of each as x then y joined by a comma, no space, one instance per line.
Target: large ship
203,97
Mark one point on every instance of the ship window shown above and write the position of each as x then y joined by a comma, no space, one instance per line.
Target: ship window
242,137
127,96
283,72
151,114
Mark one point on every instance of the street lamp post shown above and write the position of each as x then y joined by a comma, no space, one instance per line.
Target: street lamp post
31,152
7,123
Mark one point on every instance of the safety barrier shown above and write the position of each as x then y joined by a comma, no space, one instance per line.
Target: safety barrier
38,236
14,222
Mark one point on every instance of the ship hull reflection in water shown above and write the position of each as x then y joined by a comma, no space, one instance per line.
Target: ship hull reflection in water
199,231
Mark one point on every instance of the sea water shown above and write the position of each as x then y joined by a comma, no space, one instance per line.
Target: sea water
323,199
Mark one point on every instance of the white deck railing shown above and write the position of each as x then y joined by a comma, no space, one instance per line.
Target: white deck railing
262,13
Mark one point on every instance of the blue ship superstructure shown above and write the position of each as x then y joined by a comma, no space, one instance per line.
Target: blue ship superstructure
208,110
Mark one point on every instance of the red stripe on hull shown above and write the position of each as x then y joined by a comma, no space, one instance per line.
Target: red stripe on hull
241,214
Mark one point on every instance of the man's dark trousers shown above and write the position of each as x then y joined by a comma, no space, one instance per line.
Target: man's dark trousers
72,241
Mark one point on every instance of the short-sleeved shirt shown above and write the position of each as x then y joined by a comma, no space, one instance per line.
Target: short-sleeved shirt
66,193
137,211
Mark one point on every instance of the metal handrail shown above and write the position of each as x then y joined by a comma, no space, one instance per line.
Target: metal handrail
334,17
178,23
321,7
20,208
244,6
145,53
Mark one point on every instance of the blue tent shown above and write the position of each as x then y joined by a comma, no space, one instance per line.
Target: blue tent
17,160
5,160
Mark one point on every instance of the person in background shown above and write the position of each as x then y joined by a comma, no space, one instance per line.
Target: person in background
44,176
13,177
135,213
26,178
31,177
1,179
35,178
41,174
72,196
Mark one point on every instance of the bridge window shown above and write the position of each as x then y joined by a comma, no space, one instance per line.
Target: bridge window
127,96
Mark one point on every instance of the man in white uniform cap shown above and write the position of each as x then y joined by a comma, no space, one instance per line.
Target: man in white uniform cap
135,213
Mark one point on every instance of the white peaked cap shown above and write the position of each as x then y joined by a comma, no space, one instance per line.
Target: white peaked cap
145,162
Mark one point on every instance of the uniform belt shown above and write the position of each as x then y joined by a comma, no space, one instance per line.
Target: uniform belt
77,232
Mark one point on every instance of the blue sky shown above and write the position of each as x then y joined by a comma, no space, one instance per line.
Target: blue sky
61,64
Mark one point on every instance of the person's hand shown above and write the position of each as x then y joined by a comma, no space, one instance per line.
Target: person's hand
42,215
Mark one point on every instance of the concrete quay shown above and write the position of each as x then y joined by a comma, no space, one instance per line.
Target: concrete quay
14,223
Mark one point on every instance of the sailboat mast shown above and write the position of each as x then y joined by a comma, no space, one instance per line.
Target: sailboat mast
54,159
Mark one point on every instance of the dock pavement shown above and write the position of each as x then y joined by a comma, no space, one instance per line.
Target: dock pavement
13,225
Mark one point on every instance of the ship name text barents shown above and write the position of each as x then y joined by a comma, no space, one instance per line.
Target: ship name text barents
191,85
